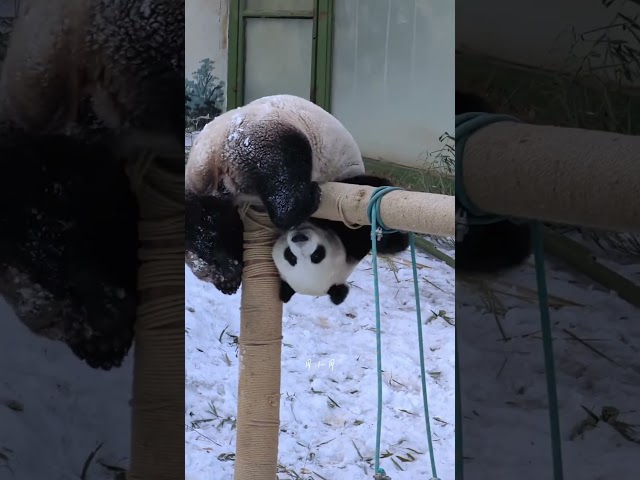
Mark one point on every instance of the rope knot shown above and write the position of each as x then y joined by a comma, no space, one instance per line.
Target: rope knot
381,475
373,212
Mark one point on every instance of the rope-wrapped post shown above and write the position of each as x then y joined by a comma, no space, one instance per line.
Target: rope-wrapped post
259,353
158,386
564,175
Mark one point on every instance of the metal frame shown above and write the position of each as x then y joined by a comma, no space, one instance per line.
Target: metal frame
322,16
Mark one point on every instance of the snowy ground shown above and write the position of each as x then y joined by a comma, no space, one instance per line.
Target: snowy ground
328,413
503,381
55,410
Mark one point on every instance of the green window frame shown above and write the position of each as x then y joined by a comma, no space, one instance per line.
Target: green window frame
322,16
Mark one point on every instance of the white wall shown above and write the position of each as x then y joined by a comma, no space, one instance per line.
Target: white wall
394,75
539,28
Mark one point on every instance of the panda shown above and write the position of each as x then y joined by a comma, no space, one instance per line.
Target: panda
491,248
318,256
274,153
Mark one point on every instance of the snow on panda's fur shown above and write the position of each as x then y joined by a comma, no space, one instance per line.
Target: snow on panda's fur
69,242
68,217
317,257
487,248
127,58
273,152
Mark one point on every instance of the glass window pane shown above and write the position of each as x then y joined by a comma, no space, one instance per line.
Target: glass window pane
278,57
393,76
271,5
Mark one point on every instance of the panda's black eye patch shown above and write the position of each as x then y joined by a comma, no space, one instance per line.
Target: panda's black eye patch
290,257
318,255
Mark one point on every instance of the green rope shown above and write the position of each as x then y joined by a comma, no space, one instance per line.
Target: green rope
466,125
377,229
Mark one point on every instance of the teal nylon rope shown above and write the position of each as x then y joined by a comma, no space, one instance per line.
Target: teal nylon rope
378,227
547,342
459,448
466,125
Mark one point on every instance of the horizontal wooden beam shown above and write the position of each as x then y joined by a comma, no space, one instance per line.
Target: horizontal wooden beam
419,212
562,175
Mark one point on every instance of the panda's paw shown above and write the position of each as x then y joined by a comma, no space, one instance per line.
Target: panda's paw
393,243
338,293
286,292
225,274
228,286
295,207
100,348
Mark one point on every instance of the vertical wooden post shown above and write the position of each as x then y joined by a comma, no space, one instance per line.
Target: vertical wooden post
259,354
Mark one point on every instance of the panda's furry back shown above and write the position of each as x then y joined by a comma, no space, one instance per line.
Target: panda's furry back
216,152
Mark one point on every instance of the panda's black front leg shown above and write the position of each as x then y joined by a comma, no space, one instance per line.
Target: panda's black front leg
286,292
214,241
283,178
338,293
290,203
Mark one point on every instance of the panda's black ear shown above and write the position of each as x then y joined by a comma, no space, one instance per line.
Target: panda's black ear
338,293
286,292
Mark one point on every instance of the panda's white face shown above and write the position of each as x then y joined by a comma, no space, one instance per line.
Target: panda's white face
311,259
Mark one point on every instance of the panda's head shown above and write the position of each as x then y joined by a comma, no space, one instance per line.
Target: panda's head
312,260
318,257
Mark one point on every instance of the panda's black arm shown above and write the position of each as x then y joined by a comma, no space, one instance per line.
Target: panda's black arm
281,165
370,180
214,234
470,102
286,292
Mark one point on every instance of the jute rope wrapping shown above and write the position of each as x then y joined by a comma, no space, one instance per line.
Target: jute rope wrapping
157,446
260,346
554,174
419,212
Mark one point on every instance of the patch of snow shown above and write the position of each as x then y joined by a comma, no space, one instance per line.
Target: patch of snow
504,395
331,349
55,410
